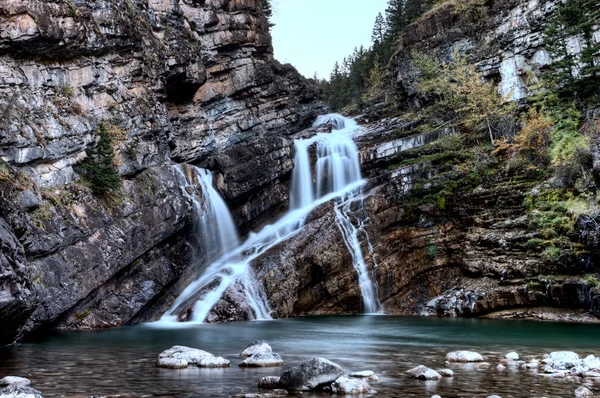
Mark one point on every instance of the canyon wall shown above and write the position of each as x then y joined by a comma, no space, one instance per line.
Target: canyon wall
170,81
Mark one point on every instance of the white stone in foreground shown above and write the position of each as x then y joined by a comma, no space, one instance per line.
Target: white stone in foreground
369,375
172,363
512,355
464,356
193,356
350,385
12,380
424,373
566,359
256,347
446,372
262,360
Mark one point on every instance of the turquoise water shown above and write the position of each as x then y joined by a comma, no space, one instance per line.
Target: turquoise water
122,361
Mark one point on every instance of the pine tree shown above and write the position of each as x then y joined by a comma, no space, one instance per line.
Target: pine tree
267,11
395,18
573,75
379,30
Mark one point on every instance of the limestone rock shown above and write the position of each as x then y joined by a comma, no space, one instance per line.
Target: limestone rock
512,355
464,356
172,363
424,373
191,356
13,380
369,375
350,385
269,382
256,347
446,372
310,374
564,359
19,391
262,359
583,392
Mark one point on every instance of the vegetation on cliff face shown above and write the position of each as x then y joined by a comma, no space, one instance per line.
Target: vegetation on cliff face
99,167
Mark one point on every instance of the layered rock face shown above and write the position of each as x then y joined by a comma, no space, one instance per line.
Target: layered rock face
504,39
171,81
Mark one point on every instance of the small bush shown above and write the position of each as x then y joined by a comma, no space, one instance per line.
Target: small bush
551,254
99,169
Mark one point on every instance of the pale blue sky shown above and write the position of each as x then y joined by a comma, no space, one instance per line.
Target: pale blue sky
313,34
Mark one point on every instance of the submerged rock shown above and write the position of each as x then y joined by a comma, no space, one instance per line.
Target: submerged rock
19,391
350,385
311,374
12,380
446,372
269,383
423,373
464,356
256,347
203,359
263,359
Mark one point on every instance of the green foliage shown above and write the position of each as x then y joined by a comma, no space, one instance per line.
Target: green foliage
592,280
432,251
68,91
264,7
572,19
99,166
552,254
359,75
461,90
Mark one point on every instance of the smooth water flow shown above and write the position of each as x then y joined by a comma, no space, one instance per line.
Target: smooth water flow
337,174
351,235
218,236
337,167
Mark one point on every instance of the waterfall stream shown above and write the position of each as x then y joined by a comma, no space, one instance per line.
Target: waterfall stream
338,176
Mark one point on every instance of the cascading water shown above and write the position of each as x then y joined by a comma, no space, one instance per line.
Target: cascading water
337,167
217,233
338,175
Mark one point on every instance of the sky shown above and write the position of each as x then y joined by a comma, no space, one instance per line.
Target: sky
313,34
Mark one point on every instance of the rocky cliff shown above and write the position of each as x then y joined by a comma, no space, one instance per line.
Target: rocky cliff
170,82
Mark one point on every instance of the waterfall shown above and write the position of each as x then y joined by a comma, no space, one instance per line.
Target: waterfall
338,176
351,235
337,167
216,232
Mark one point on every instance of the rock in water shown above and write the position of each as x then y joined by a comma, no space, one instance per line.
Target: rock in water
566,359
172,363
446,372
256,347
20,391
309,375
350,385
369,375
192,356
464,356
424,373
11,380
512,355
262,359
583,392
269,383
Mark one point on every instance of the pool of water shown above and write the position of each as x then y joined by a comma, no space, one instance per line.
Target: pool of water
123,360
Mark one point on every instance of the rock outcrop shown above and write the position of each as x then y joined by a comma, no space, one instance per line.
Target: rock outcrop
169,81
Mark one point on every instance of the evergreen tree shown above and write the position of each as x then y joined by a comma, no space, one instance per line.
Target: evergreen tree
267,11
395,18
379,30
573,75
